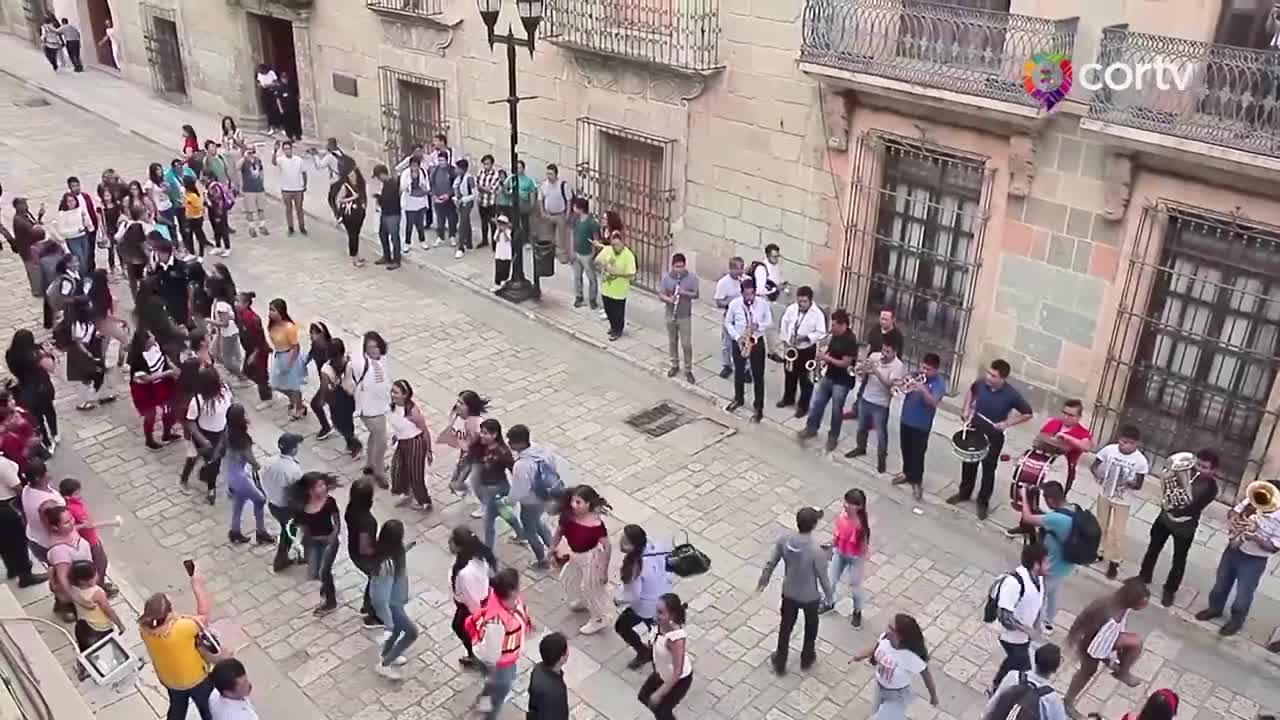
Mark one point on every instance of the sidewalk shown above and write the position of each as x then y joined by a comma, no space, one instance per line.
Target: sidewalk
644,345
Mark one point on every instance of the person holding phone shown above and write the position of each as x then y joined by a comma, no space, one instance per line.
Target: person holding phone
170,639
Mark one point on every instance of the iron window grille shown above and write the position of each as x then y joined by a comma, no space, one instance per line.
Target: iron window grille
914,243
163,43
407,8
972,50
1194,352
1233,100
630,173
413,111
679,34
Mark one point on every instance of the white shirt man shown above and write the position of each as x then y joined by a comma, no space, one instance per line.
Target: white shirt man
728,287
802,328
886,370
748,312
1019,597
742,309
414,197
293,173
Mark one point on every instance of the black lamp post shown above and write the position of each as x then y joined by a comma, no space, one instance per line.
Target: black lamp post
518,288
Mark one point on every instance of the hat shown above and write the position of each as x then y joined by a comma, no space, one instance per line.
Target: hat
502,219
289,442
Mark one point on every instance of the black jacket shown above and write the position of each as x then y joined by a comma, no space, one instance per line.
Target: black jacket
548,696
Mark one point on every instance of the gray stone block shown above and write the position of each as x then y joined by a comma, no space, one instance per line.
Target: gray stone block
1039,398
991,351
1105,231
1039,346
1072,387
1040,375
1022,306
1014,208
1062,250
1093,164
1070,151
1088,298
1079,222
1080,263
1045,214
1071,326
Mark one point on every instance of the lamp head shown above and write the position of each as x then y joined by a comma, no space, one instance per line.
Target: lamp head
530,15
489,12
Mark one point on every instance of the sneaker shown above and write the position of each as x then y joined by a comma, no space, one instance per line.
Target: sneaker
593,626
957,499
983,511
672,372
370,622
1048,629
639,661
263,538
805,434
237,538
210,496
303,231
725,372
831,444
400,661
153,445
688,377
265,232
1231,627
543,564
324,434
855,619
1208,614
1167,597
408,248
1113,570
253,233
291,232
578,302
855,453
478,513
381,261
32,579
1013,532
603,315
324,609
457,254
387,672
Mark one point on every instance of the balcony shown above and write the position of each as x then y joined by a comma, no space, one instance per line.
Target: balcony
930,52
679,35
1227,110
407,9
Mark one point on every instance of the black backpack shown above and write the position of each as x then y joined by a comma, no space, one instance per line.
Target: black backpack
1081,544
1020,702
770,289
991,610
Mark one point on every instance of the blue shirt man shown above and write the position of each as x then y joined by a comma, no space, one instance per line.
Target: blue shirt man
918,408
991,406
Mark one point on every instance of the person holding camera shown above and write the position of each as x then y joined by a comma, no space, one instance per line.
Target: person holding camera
171,642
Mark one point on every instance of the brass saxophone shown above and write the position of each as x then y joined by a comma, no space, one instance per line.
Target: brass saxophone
815,367
789,356
747,341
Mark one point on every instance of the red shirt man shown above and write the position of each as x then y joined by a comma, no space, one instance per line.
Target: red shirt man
1068,429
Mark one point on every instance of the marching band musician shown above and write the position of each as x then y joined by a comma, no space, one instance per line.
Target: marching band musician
842,350
884,370
1068,431
1255,537
991,405
884,331
747,320
915,423
728,287
1180,523
1120,467
678,289
803,325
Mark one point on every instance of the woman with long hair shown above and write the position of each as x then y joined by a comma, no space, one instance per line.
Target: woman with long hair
288,365
350,205
219,198
460,431
135,196
672,666
491,462
369,379
389,591
233,142
159,200
318,353
321,527
30,365
78,335
412,455
206,422
131,240
103,307
341,403
66,547
170,640
153,379
473,564
224,325
241,469
362,535
152,315
1100,635
1161,705
898,655
190,143
644,580
75,226
582,546
253,340
850,545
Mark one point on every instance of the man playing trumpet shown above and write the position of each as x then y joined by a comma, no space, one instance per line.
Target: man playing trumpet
803,325
746,322
1184,502
882,371
1254,528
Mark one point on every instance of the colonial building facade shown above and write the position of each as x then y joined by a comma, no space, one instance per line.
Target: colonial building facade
1121,248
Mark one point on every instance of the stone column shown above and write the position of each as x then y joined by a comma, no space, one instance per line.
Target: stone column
306,74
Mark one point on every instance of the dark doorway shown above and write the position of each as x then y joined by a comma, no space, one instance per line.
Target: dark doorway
99,16
273,43
164,54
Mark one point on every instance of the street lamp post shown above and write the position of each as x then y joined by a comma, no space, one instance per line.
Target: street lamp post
517,289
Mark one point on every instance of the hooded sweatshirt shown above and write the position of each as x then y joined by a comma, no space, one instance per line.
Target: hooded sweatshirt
651,583
525,470
805,568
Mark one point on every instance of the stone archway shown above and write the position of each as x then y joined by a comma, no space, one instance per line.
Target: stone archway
263,30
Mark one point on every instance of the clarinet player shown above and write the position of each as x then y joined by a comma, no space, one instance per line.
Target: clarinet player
678,289
746,322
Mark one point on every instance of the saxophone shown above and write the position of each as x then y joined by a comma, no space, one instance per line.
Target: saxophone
747,342
675,301
815,367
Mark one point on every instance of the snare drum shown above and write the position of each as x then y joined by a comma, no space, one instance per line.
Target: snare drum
970,445
1030,471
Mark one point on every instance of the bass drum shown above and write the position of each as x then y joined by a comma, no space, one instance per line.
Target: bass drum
1031,470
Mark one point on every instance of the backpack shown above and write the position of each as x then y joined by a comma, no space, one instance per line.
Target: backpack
1020,702
547,483
1080,547
770,289
991,610
226,198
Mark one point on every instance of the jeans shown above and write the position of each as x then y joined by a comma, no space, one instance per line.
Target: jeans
1052,585
680,337
835,394
497,686
403,632
583,265
446,213
913,442
666,708
293,207
51,54
754,364
178,700
318,406
1017,658
1242,570
536,532
73,52
464,227
389,236
320,554
969,471
870,414
353,221
490,496
82,247
839,563
283,544
243,492
415,219
626,625
342,408
1160,533
790,611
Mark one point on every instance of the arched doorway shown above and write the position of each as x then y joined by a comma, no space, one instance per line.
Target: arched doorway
99,16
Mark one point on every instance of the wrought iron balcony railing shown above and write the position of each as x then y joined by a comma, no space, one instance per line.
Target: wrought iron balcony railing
679,34
408,8
1218,94
975,52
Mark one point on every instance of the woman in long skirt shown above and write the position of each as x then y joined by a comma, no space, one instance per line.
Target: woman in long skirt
413,448
153,378
582,547
288,364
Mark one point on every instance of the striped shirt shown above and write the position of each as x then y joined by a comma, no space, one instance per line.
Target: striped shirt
487,186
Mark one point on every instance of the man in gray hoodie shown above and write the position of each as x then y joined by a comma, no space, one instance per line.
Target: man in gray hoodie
804,587
440,177
533,477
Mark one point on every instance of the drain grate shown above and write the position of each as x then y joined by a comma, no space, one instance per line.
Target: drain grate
661,419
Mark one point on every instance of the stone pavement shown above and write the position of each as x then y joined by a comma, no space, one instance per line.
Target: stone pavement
732,486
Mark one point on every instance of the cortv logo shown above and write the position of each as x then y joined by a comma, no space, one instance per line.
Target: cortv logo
1047,78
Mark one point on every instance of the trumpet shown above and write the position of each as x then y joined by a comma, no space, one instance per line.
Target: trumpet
910,382
1176,483
864,367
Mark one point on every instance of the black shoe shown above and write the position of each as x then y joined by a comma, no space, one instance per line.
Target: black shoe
578,302
784,402
210,496
1167,597
733,406
983,511
265,538
170,437
371,623
856,452
805,434
801,411
689,378
831,444
1013,532
237,538
778,669
672,372
957,499
855,619
807,662
613,336
880,465
1113,570
1208,614
639,661
1231,627
32,579
726,371
747,378
757,416
153,445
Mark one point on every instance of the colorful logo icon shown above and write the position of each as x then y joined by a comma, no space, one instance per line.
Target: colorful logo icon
1047,78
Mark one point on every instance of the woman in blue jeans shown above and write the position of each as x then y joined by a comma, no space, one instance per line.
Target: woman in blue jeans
240,468
75,227
321,523
389,591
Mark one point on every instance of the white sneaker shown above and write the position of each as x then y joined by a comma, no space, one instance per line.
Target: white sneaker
593,626
457,254
408,248
226,252
496,288
436,243
603,314
389,673
402,660
478,512
484,705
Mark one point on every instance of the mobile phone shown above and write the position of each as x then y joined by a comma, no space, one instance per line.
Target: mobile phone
190,567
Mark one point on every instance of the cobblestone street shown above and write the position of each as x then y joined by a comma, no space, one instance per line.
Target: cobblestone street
731,486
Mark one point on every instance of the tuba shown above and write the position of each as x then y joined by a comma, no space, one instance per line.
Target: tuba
1261,497
1177,480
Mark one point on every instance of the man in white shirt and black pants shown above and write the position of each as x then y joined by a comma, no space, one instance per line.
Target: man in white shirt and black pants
728,287
1019,597
747,314
803,325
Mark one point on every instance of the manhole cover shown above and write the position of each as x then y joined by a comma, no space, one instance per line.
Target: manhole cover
32,102
661,419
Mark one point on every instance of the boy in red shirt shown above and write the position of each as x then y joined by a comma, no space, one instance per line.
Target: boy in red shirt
1068,429
70,491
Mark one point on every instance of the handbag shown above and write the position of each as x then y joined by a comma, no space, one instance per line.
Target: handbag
210,646
686,560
